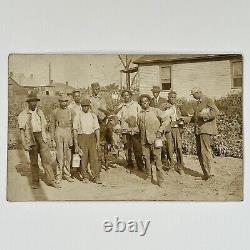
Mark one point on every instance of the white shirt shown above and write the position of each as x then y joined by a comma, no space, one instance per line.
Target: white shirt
85,123
35,121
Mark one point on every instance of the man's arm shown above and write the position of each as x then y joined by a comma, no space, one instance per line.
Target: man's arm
165,121
97,135
75,134
52,126
213,111
25,146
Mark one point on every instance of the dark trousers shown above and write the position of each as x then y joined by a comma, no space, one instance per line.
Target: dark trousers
133,143
87,144
204,153
43,149
174,144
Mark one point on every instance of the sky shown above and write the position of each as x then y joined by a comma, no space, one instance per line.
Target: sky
78,70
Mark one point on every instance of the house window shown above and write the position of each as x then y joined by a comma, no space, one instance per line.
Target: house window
237,72
47,92
165,74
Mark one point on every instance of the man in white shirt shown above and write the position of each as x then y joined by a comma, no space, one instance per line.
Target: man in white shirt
86,131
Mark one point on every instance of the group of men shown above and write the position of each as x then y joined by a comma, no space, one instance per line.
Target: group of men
151,129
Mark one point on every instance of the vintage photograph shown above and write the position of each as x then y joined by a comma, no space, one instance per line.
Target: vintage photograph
165,127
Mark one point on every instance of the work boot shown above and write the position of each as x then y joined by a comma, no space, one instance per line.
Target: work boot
35,185
98,180
68,178
55,184
85,180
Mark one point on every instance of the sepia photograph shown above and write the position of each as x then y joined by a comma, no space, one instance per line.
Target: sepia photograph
125,127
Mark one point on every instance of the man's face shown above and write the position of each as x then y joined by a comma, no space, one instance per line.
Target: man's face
96,90
85,108
32,105
197,95
145,103
156,94
63,104
127,97
77,97
172,98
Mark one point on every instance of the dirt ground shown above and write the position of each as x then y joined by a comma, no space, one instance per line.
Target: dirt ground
120,184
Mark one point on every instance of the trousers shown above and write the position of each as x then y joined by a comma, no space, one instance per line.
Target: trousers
174,145
150,150
87,143
41,148
63,138
133,143
204,153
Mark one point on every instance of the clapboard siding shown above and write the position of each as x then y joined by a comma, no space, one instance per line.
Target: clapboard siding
214,78
148,76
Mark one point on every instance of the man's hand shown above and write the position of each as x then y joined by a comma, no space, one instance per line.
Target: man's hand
26,147
158,135
77,149
98,147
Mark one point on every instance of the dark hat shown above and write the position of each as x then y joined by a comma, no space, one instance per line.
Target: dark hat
63,98
76,91
156,89
85,102
32,97
171,92
143,95
95,85
126,90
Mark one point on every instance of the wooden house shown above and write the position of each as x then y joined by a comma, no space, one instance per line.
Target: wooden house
217,75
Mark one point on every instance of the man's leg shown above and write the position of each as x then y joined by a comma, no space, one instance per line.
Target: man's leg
67,141
129,145
94,159
46,159
59,153
83,142
206,153
198,149
170,148
137,148
178,148
158,163
146,158
33,153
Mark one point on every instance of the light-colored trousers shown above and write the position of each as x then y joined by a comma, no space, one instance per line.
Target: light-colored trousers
63,138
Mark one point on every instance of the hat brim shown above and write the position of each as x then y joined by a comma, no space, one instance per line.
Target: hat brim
33,99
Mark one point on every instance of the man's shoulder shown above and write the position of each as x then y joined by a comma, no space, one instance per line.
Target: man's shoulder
23,113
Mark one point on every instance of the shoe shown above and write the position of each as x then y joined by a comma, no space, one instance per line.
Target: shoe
85,180
35,185
98,180
180,171
68,178
55,185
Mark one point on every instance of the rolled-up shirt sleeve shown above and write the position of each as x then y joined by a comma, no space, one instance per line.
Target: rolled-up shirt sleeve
22,118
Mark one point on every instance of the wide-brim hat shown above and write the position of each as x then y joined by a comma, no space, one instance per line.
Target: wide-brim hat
156,89
195,90
143,95
32,97
95,85
63,98
126,90
85,102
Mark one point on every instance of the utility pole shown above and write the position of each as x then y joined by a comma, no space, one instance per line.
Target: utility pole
49,72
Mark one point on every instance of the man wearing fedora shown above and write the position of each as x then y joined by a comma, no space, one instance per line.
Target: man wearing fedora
157,100
32,125
127,115
61,136
152,123
204,120
86,131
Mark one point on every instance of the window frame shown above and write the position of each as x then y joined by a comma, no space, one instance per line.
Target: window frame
232,74
161,82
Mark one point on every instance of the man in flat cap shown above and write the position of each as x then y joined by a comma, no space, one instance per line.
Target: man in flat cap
86,131
157,100
75,105
98,103
127,115
204,119
152,123
32,125
61,136
174,132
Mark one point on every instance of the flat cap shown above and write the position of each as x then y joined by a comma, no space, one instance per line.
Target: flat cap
76,91
95,85
156,89
171,92
85,102
126,90
144,95
32,97
63,98
195,90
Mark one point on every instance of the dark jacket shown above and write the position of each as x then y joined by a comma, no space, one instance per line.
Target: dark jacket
161,100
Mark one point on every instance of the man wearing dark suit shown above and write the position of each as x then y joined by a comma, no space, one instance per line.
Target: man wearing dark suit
204,120
157,100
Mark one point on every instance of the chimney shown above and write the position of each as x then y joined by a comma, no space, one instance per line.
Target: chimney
67,84
51,82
